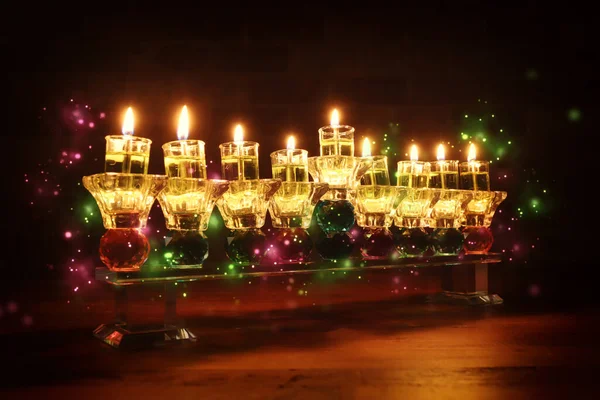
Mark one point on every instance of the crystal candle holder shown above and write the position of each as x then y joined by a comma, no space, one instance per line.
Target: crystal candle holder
474,175
413,207
374,205
125,201
336,140
239,161
443,174
185,159
187,203
342,173
293,204
378,174
127,154
290,165
245,204
478,215
413,174
447,207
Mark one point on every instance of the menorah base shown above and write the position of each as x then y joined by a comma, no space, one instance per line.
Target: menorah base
466,284
466,299
126,337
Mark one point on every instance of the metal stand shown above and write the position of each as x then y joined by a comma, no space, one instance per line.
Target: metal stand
120,334
466,284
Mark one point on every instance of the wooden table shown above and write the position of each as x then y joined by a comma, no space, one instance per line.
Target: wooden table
358,340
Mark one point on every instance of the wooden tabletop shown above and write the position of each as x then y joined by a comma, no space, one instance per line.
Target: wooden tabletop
351,343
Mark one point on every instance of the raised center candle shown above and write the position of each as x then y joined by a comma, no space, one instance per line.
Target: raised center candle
443,173
184,158
290,164
336,139
239,159
413,173
474,175
126,153
378,174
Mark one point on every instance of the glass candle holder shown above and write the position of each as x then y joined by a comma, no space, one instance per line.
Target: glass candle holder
185,159
475,175
478,215
413,207
293,204
245,204
187,203
378,174
290,165
443,174
481,207
413,174
127,154
336,140
340,172
447,207
125,201
374,206
239,160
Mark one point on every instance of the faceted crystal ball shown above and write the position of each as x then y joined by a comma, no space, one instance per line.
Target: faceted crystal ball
246,246
412,242
335,247
292,245
124,249
186,249
334,216
478,240
447,241
377,244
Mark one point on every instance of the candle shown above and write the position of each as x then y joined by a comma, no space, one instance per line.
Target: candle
290,164
239,159
336,139
127,153
413,173
184,158
474,174
378,174
443,173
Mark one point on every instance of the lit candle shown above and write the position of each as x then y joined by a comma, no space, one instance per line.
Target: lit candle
184,158
290,164
443,173
474,174
378,174
336,139
413,173
127,153
239,159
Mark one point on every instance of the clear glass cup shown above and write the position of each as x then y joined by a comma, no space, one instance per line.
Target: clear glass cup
127,154
185,159
443,174
293,204
290,165
336,140
239,160
413,174
245,204
474,175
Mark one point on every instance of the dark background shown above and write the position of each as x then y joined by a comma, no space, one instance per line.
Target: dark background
412,73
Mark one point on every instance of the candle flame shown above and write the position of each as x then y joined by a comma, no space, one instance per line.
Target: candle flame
183,129
335,118
366,148
472,152
414,153
238,134
291,143
128,122
441,153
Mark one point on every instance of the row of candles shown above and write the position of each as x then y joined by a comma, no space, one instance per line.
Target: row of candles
185,158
